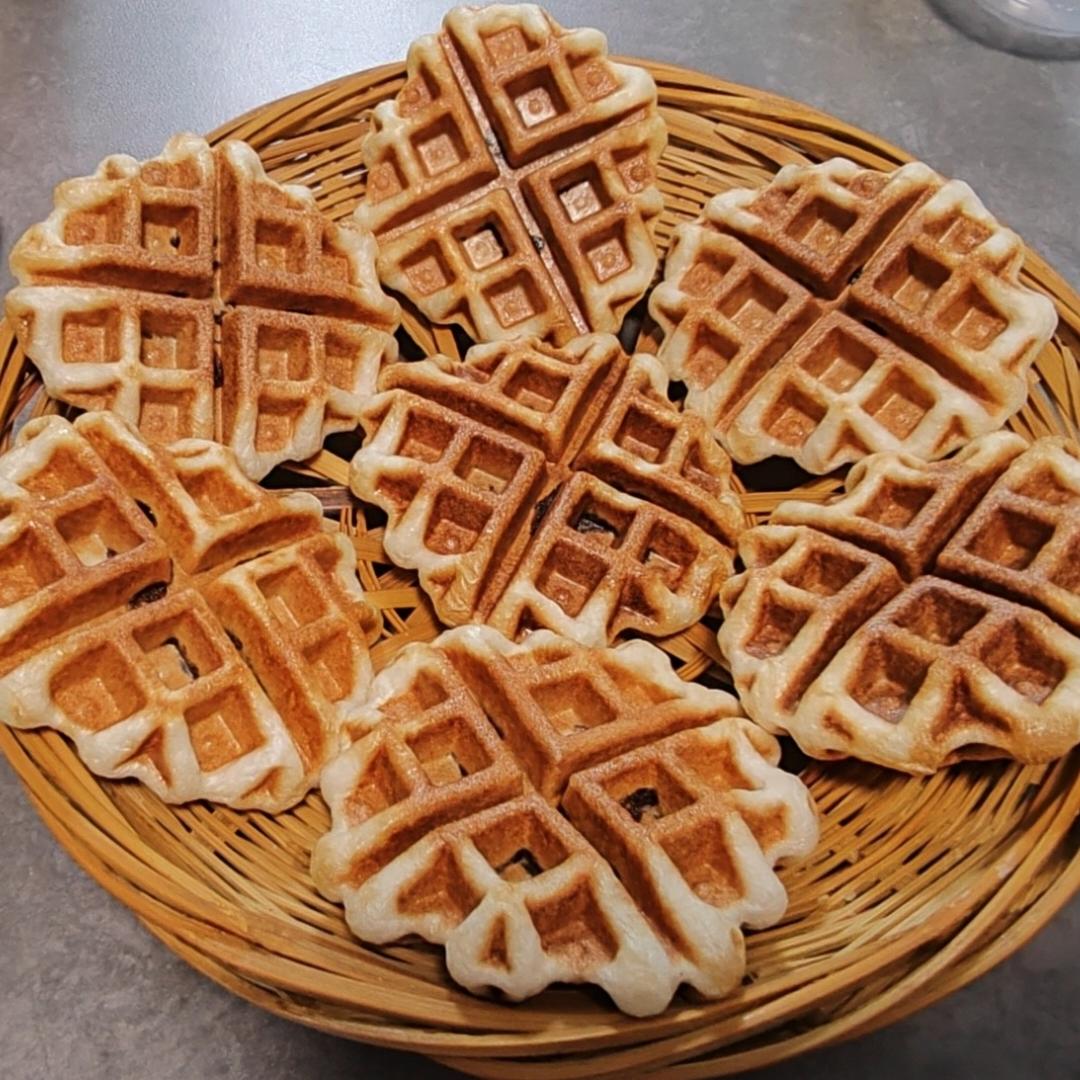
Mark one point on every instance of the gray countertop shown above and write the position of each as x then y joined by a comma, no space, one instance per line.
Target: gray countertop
84,990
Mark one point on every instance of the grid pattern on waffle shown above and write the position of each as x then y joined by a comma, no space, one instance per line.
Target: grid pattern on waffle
512,183
161,696
311,377
966,673
535,486
638,438
670,816
122,290
601,562
204,508
969,651
147,357
74,545
138,225
906,509
1023,540
299,618
140,616
841,311
446,822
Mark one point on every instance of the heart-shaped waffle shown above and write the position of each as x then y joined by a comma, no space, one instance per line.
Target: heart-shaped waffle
512,182
535,486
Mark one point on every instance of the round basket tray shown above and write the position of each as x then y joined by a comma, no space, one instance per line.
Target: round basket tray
918,885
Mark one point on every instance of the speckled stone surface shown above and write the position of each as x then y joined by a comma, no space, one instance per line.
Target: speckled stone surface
85,991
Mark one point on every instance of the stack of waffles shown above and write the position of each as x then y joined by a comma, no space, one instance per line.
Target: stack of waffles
180,624
195,297
547,805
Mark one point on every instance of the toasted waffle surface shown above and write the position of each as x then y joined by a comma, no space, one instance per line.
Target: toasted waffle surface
556,813
555,487
512,182
929,614
198,298
841,311
180,624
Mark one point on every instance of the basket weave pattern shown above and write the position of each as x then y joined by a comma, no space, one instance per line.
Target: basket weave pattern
917,887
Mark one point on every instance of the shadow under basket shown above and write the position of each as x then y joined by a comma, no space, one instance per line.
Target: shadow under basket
918,885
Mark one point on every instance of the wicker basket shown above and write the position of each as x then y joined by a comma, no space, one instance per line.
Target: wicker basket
918,886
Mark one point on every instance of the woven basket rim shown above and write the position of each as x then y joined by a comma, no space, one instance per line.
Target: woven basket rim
975,915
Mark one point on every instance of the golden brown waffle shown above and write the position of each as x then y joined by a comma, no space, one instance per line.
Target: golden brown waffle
196,297
535,486
902,624
840,311
512,182
180,624
446,822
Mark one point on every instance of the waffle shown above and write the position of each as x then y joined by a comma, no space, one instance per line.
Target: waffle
512,182
446,822
534,486
180,624
840,312
197,298
928,615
